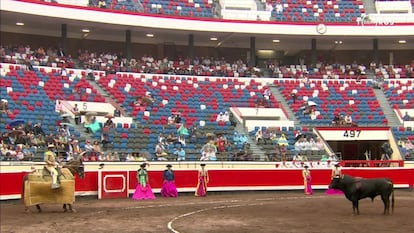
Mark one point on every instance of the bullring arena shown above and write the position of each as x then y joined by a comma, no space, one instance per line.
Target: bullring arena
254,89
275,211
237,201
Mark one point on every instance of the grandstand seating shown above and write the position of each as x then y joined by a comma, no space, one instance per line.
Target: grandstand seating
334,97
293,10
402,134
198,100
400,93
319,11
193,8
31,94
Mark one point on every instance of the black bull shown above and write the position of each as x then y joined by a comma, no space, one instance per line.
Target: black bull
356,189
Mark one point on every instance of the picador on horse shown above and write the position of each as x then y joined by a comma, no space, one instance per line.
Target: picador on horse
52,166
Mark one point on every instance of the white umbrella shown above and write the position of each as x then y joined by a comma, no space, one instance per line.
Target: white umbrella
311,103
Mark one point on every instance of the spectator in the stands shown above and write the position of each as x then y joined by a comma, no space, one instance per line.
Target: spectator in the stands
28,128
279,7
220,117
59,107
88,146
102,4
208,152
293,95
406,117
177,119
160,152
37,129
259,136
348,119
171,119
338,120
180,153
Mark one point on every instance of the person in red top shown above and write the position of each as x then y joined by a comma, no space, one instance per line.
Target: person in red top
221,144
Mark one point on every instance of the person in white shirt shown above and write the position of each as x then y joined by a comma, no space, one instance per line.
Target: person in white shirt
279,8
220,117
348,119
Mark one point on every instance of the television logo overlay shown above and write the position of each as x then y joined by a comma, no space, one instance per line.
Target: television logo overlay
370,23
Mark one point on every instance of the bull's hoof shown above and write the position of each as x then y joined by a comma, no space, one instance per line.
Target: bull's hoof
28,211
73,211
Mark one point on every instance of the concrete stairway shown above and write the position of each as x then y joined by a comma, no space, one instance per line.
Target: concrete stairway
108,98
281,99
385,106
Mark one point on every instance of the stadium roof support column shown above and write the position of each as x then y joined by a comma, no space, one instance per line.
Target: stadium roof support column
191,47
375,53
252,51
128,44
64,37
314,54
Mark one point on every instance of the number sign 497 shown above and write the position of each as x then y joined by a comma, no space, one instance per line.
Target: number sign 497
352,133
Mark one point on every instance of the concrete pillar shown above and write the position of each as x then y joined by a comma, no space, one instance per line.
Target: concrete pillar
191,47
128,45
375,53
253,51
64,37
314,53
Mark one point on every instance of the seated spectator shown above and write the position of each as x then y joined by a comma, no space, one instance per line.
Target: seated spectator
28,128
172,140
180,154
409,145
348,119
102,4
226,117
130,158
162,139
96,147
4,106
115,157
338,120
37,129
160,152
221,144
171,119
177,119
300,145
279,8
259,137
293,95
88,146
319,144
208,152
109,123
220,117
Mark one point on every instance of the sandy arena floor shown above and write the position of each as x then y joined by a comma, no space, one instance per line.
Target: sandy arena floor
273,212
